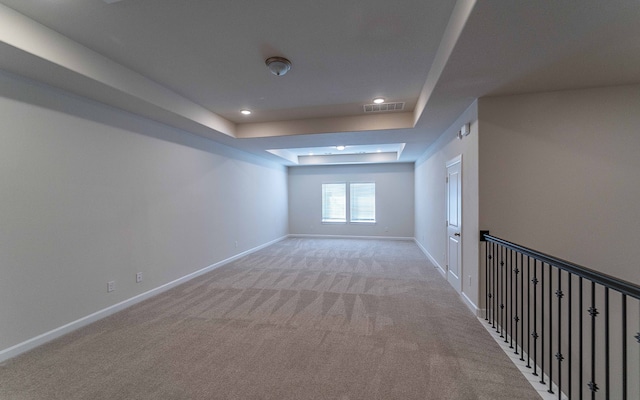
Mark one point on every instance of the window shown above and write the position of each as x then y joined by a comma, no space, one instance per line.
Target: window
363,202
361,205
334,202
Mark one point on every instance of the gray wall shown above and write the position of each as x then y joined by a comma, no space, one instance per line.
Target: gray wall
90,194
560,172
430,199
394,199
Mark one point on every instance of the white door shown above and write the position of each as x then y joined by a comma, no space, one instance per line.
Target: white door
454,222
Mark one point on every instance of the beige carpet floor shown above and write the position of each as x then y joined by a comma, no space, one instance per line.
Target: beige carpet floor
301,319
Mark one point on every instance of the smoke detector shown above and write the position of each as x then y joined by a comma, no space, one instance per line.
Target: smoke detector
278,65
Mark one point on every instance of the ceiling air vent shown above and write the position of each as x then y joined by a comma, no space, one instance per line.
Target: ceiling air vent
374,108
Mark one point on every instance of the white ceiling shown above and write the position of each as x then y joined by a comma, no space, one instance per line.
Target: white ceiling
194,64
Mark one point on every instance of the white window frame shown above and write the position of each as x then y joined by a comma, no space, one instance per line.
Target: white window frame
348,204
351,204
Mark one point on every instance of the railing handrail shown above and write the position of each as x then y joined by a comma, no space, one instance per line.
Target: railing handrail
622,286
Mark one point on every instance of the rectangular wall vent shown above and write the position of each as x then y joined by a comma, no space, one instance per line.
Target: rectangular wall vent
369,108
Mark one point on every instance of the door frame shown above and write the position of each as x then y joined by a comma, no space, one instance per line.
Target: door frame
455,160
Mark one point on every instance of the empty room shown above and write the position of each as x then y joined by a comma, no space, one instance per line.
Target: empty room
319,200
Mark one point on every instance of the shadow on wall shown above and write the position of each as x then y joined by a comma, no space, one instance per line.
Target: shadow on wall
48,97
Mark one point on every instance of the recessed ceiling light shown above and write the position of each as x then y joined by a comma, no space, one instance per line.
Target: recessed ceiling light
379,151
340,148
378,100
245,112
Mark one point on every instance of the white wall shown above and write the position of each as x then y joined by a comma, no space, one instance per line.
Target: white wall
394,199
89,194
560,172
430,205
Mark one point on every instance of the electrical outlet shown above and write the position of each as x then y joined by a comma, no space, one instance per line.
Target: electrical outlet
469,280
111,286
139,277
236,243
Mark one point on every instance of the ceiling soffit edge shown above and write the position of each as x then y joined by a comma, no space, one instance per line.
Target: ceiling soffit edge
461,13
357,123
46,48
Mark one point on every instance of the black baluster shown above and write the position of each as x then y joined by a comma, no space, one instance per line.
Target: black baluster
505,294
606,343
534,334
515,319
569,355
559,356
522,307
593,311
496,289
550,331
499,297
580,344
511,298
542,323
486,280
624,347
495,285
529,311
503,254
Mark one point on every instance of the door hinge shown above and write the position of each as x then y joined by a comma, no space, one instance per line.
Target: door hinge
446,179
446,223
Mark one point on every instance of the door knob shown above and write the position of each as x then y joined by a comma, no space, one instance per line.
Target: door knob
456,234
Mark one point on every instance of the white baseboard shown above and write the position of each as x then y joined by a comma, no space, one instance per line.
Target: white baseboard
472,306
306,235
527,372
430,257
79,323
